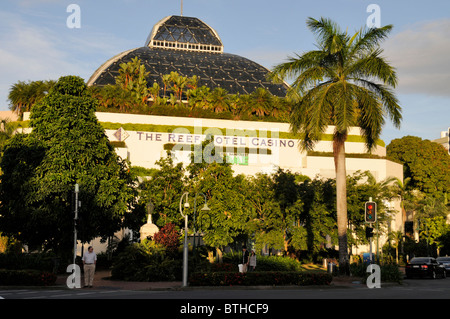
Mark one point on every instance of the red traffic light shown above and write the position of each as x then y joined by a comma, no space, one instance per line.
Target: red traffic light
370,212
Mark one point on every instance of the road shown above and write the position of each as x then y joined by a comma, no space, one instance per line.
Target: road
410,289
234,302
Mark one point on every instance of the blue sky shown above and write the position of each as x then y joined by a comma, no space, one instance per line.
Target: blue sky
36,43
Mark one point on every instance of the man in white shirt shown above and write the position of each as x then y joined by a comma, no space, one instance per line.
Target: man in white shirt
89,261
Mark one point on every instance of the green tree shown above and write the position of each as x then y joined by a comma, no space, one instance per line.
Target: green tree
219,100
427,164
263,210
164,189
23,95
133,78
335,85
318,217
66,146
262,102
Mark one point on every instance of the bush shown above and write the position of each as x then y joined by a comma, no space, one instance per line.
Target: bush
389,272
272,278
26,278
168,237
43,262
266,263
146,261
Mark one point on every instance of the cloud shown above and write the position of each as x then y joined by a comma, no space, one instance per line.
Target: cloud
38,52
420,54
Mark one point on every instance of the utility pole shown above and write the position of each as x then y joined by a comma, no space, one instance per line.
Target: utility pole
77,189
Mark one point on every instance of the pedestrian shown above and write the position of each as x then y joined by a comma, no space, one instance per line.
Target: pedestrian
252,261
89,262
244,259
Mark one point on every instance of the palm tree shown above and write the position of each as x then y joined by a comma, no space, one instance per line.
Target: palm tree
262,102
23,95
166,81
219,100
335,85
401,190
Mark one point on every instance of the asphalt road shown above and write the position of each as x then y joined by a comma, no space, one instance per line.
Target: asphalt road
409,289
358,299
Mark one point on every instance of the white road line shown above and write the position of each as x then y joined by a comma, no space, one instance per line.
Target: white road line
28,292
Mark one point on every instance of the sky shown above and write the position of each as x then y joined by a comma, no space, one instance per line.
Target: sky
39,40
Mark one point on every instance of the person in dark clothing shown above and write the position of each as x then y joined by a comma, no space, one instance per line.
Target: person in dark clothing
244,259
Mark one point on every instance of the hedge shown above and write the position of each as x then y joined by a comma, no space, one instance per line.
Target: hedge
10,277
270,278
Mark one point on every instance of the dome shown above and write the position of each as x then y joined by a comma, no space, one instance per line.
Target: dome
190,47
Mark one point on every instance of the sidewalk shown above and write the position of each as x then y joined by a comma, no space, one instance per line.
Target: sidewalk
102,281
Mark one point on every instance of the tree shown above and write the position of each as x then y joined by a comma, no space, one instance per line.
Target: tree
23,95
6,131
264,211
66,146
318,216
335,85
133,78
164,189
219,100
427,164
262,102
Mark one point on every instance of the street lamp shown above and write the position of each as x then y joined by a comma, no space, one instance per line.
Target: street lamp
185,246
77,190
205,208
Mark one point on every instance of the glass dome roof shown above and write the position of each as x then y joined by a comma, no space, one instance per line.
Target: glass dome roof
190,47
184,33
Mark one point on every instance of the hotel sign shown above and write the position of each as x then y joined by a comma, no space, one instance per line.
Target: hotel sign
232,141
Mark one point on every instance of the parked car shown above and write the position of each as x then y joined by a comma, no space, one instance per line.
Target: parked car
445,261
424,267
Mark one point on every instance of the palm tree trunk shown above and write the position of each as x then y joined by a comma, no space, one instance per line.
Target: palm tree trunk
341,200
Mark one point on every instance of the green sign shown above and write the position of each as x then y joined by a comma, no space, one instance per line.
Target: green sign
237,159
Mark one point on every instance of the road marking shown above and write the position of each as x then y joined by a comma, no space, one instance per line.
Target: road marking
27,292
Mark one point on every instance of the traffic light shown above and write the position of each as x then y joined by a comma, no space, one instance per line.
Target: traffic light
369,232
371,212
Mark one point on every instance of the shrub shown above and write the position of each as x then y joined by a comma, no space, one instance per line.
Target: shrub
44,262
146,261
26,277
266,263
223,267
272,278
389,272
168,237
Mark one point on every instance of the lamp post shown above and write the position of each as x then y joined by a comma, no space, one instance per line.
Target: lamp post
77,189
185,246
205,208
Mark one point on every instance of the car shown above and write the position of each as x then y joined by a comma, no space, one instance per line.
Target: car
445,261
424,267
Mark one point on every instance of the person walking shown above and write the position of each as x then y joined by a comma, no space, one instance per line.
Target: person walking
89,262
244,259
252,261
